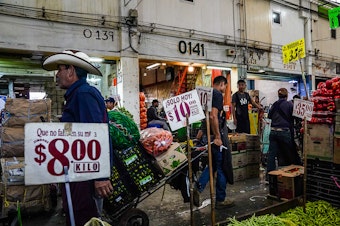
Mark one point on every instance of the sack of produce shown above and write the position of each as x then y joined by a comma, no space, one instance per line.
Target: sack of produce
155,140
123,130
19,111
12,141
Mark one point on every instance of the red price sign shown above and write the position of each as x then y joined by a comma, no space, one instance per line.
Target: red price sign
176,109
303,108
81,147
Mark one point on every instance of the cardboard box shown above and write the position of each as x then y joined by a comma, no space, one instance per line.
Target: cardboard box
336,154
287,182
236,138
238,146
253,156
240,173
239,158
320,141
171,159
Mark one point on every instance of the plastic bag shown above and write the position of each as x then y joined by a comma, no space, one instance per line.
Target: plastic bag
155,140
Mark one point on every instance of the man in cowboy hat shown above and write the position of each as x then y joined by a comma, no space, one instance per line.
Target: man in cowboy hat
85,104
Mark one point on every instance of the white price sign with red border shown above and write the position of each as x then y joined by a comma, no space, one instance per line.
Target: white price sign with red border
205,95
303,108
82,147
177,107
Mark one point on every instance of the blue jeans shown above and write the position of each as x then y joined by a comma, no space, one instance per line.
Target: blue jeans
280,146
221,181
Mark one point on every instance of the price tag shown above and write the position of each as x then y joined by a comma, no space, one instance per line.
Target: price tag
293,51
205,96
82,147
303,108
176,109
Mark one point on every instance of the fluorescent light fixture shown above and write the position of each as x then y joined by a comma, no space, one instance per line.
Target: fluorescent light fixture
96,59
219,68
152,66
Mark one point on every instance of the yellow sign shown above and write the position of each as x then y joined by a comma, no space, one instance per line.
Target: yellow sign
293,51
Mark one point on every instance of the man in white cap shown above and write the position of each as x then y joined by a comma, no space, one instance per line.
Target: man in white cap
85,104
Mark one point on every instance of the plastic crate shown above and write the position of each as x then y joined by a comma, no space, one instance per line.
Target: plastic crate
320,181
139,167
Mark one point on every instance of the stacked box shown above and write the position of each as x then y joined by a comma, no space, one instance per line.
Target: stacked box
239,158
320,141
13,171
246,154
32,199
17,113
12,141
287,182
336,150
240,173
253,142
253,170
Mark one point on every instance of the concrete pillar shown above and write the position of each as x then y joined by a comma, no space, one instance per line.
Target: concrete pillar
128,87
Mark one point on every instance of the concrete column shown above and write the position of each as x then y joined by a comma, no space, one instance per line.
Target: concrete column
128,87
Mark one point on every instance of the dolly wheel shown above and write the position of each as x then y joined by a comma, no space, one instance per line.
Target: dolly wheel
134,217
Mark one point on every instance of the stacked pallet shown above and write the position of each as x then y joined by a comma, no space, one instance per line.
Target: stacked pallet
246,153
17,113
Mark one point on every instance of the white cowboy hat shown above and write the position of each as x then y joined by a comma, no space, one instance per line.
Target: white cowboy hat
70,57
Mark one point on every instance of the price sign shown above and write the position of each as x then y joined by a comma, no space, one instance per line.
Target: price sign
82,147
293,51
205,96
303,108
176,109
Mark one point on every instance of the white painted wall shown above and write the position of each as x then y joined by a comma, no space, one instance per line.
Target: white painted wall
212,16
268,89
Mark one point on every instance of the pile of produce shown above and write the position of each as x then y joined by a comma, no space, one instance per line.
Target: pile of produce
319,213
323,98
142,109
155,140
123,130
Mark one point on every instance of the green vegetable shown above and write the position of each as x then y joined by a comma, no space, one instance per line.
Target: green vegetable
319,213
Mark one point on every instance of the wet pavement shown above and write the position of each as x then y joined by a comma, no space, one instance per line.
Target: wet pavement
249,196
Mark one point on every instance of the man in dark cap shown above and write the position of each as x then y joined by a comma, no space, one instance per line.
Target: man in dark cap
110,103
280,147
84,103
153,118
240,101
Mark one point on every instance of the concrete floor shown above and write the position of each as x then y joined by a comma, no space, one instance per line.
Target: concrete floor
249,196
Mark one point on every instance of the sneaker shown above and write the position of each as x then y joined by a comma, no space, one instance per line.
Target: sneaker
225,204
196,196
